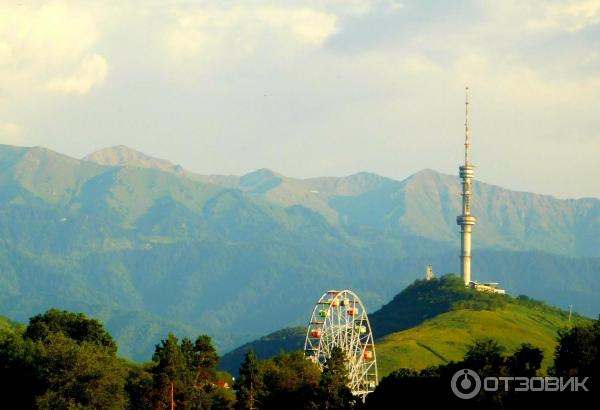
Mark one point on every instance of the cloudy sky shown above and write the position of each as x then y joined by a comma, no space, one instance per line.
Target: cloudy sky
309,88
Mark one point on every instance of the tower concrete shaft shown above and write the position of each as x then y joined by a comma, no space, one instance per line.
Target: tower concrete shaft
466,220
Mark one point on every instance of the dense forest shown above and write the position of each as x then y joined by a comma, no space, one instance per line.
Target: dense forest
64,360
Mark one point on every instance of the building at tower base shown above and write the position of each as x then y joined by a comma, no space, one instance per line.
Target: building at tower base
489,287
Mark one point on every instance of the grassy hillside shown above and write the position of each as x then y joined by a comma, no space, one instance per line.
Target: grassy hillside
433,322
446,336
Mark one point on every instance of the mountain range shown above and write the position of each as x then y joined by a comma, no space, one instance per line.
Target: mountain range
150,247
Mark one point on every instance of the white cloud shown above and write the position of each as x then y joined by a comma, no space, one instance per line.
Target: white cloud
309,87
421,65
356,8
211,32
349,7
570,16
40,43
10,133
92,71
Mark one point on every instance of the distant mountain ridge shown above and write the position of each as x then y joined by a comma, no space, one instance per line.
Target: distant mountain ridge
215,253
506,219
121,155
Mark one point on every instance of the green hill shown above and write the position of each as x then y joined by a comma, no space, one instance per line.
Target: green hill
433,322
447,336
423,300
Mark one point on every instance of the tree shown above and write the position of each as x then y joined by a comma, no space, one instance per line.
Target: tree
139,386
333,386
291,382
203,361
526,361
75,326
578,351
169,369
80,375
18,376
62,360
485,356
249,384
578,354
191,369
402,383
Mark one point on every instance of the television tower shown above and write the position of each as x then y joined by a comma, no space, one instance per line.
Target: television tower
466,220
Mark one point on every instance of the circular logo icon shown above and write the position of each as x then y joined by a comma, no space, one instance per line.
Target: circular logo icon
465,384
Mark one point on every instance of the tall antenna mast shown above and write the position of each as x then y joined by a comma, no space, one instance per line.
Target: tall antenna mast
467,131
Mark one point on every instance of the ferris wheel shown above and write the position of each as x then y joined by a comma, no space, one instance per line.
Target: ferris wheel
340,319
